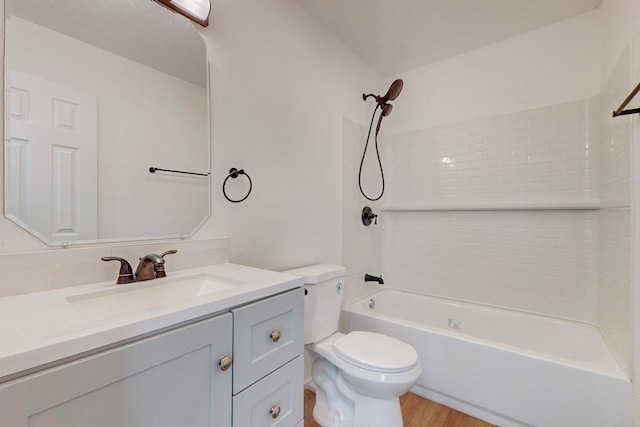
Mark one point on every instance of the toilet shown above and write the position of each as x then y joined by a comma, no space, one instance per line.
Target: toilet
358,376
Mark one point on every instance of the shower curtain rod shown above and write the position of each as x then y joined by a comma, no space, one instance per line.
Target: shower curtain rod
620,111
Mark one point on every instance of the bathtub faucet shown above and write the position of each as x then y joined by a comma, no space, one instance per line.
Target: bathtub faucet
370,278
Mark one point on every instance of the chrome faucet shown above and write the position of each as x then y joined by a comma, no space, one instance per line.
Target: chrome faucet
151,266
370,278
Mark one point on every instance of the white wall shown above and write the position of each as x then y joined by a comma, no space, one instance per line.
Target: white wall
552,65
281,86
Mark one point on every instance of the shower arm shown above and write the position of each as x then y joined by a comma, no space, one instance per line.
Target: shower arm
365,96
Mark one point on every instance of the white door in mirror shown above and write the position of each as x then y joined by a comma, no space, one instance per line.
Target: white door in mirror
52,159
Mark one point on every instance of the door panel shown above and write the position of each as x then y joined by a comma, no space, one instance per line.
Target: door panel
52,190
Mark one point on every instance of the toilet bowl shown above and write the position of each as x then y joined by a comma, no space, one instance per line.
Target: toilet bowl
359,376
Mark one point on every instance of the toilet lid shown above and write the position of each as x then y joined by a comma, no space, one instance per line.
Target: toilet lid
375,352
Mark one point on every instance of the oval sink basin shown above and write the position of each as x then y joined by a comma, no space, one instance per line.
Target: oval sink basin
134,297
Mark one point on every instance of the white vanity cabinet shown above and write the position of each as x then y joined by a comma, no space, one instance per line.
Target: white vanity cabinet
172,379
177,378
268,371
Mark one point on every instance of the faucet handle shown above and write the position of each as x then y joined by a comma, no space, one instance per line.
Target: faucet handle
126,273
172,251
158,268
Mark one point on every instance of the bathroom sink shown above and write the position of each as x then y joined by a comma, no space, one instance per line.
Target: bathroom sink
134,297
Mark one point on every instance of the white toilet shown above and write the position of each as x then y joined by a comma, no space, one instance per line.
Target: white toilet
359,376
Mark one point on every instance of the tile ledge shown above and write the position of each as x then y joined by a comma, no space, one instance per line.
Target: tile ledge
496,206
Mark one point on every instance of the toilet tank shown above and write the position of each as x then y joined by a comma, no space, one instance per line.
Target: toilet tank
323,285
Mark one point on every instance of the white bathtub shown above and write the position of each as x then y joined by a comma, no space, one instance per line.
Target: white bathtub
505,367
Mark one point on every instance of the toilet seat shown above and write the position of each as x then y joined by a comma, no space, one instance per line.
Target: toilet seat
375,352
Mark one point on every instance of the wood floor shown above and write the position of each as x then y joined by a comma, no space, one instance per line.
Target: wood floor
416,411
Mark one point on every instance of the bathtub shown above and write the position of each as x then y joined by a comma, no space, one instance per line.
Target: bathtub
507,368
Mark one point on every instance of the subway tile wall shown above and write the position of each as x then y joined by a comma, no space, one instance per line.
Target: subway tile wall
571,264
542,155
542,261
362,247
615,280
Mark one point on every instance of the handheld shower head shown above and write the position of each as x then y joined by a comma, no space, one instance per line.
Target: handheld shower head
383,101
385,110
392,93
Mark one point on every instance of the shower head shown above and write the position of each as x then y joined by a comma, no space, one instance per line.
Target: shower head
392,93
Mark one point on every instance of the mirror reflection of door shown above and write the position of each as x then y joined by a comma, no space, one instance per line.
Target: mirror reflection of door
51,153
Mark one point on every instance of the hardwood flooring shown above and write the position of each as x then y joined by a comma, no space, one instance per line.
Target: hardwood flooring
416,411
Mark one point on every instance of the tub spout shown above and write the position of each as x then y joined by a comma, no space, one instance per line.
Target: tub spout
370,278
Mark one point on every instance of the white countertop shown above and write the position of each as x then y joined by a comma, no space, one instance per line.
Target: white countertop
43,327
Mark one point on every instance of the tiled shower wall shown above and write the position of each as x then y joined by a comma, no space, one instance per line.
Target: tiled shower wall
615,279
541,155
362,249
541,260
528,211
537,261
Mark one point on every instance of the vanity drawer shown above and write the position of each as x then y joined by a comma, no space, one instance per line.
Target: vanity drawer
266,335
276,400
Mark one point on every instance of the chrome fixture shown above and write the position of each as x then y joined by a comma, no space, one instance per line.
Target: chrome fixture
370,278
151,266
368,215
275,335
372,303
274,411
225,362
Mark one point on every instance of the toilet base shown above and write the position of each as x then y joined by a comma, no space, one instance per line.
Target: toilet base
337,405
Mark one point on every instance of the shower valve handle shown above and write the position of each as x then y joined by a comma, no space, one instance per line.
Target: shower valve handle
368,215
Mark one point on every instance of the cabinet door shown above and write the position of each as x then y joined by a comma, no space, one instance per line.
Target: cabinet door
172,379
257,349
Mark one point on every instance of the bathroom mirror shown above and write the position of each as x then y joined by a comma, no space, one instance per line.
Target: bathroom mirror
96,94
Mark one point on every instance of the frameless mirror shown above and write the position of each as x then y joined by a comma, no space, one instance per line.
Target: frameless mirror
96,94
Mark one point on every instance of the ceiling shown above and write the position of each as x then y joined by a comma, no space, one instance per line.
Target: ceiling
394,36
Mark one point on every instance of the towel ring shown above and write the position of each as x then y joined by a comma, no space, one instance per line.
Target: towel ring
234,173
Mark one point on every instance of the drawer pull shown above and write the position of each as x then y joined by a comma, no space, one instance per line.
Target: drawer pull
275,336
225,362
274,411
